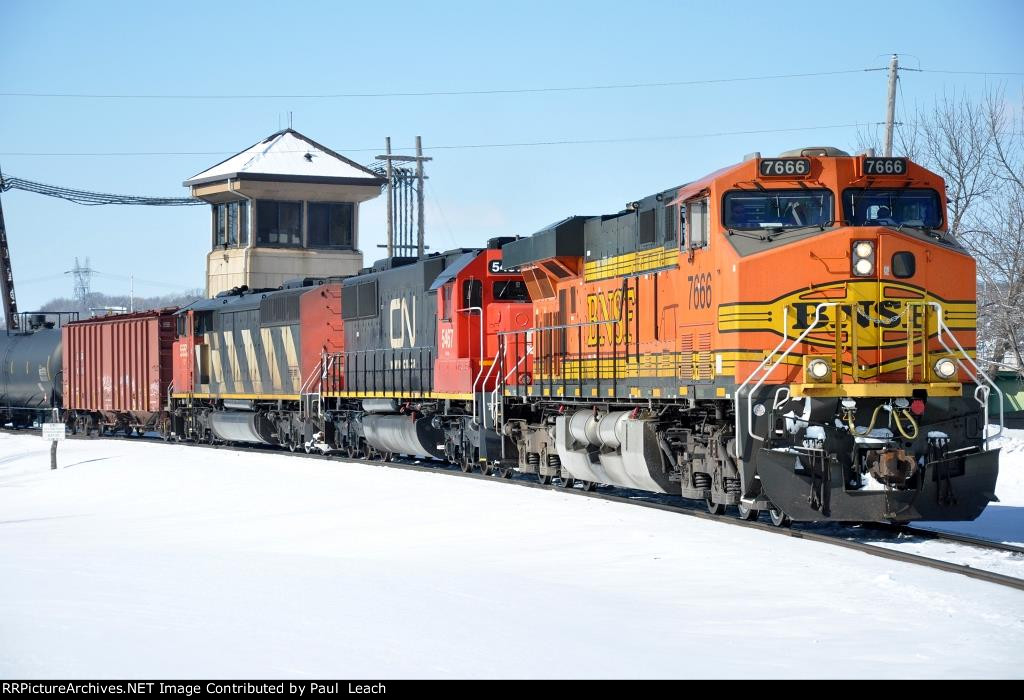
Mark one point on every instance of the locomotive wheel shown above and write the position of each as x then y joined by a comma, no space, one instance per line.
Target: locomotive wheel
779,519
543,479
386,456
505,472
567,482
486,469
715,508
466,463
747,513
589,485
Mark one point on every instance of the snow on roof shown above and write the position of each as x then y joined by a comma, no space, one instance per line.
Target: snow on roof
287,154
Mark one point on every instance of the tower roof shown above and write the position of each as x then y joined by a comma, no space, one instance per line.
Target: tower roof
288,156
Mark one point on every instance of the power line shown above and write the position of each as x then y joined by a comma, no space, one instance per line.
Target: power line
515,144
439,93
963,72
92,198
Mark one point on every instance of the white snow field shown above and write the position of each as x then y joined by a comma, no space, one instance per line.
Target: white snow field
150,560
1003,521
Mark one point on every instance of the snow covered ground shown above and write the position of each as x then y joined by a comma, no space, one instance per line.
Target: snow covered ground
1003,521
151,560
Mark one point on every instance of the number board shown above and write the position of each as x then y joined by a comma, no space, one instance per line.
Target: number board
53,431
885,166
496,268
784,167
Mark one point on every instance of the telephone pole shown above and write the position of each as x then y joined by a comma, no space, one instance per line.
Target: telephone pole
890,113
419,197
390,217
403,178
10,303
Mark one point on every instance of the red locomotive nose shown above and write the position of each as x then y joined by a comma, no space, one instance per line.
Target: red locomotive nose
917,407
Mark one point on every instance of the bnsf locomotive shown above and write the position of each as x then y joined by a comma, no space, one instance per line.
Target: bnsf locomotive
792,334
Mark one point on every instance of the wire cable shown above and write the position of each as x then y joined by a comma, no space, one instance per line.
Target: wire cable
93,198
518,144
438,93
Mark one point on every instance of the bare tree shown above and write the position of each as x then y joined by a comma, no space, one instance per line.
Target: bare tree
996,237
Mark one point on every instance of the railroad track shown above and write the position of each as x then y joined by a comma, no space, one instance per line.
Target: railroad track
849,537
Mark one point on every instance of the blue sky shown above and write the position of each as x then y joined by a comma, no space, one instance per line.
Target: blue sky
264,48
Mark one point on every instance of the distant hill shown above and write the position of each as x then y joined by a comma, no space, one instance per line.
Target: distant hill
99,301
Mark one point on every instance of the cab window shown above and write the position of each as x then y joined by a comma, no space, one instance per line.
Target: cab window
510,290
776,209
697,222
902,207
446,302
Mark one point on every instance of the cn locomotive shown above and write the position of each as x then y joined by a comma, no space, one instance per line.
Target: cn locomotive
793,335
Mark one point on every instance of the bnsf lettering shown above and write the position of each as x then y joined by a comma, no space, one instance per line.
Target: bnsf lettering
880,314
607,306
402,323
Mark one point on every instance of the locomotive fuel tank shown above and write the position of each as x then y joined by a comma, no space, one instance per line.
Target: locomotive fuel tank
404,435
30,365
242,426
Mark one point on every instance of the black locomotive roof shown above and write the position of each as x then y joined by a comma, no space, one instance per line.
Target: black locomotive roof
239,302
419,273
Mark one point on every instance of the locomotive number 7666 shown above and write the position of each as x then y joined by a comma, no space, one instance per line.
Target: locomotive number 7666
700,291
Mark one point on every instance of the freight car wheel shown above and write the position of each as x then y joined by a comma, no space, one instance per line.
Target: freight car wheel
747,513
779,519
715,508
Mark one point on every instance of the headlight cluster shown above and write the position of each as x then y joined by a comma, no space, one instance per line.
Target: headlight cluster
863,258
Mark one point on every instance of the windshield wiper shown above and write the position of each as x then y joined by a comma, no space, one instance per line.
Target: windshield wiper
792,229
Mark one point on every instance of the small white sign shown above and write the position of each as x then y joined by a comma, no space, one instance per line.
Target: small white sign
53,431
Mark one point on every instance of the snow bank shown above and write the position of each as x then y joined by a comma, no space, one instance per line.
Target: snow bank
145,560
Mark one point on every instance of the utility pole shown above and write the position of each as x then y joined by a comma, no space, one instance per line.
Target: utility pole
391,223
890,113
10,303
419,159
419,197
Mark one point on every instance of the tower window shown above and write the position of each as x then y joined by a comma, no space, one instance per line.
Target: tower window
278,223
329,224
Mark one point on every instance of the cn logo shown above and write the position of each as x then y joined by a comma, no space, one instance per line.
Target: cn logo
403,323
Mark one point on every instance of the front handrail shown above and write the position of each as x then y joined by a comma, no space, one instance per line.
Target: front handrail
315,374
792,346
941,328
500,384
